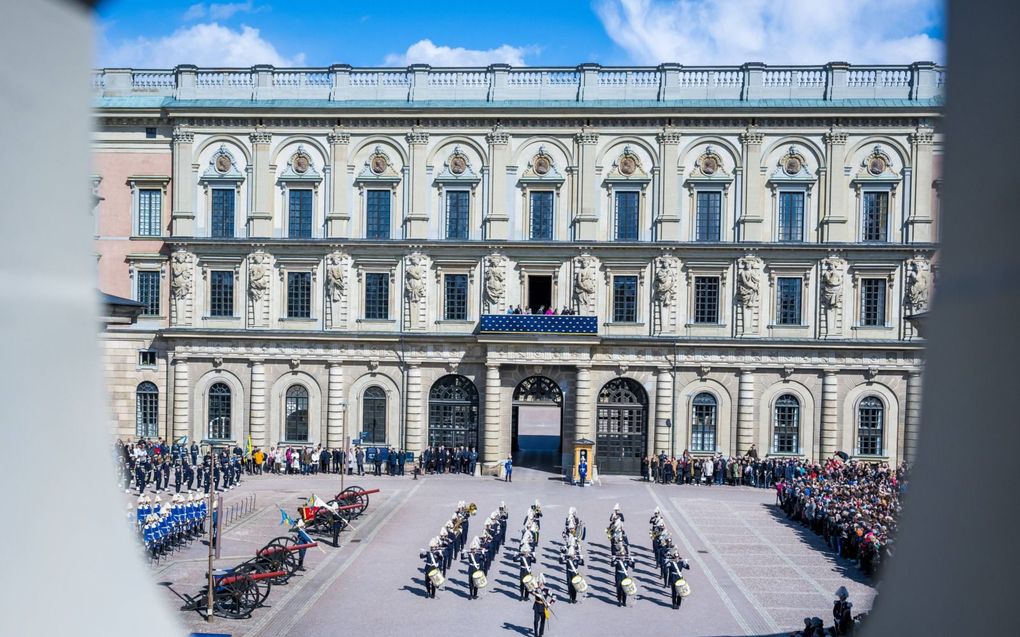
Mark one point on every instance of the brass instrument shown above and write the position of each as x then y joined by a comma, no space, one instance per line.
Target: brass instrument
472,509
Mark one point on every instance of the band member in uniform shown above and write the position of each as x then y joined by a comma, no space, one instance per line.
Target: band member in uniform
542,606
178,476
621,562
474,559
433,560
841,616
526,561
572,561
674,566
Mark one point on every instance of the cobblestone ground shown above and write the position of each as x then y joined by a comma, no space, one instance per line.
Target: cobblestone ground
753,573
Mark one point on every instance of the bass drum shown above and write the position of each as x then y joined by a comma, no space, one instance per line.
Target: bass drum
683,589
436,577
580,585
529,582
628,586
479,579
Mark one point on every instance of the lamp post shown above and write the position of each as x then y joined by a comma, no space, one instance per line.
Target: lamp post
343,442
669,423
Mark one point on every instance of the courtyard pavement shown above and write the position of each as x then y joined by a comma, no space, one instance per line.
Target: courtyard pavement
752,572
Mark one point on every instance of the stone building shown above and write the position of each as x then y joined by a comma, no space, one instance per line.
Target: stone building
333,253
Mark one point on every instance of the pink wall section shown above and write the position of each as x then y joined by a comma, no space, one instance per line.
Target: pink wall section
114,212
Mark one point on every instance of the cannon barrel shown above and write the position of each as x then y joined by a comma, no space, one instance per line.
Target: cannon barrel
355,494
230,579
269,550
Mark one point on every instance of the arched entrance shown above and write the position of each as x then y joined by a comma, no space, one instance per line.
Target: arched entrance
622,427
537,422
453,413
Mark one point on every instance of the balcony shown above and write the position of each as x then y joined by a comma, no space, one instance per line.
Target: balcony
538,324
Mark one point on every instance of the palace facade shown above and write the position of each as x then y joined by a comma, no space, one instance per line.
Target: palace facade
332,254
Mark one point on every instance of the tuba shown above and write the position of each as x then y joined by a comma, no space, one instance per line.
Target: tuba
472,509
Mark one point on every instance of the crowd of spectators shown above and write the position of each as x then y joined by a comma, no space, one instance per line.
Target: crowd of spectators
547,311
748,470
449,460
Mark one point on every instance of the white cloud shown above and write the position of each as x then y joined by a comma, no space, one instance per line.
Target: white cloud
202,44
698,32
219,11
425,52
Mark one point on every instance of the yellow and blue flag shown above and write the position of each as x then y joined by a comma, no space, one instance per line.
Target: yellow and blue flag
284,518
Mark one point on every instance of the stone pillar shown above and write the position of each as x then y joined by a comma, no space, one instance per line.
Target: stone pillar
745,411
335,406
497,224
663,408
338,215
260,217
836,216
919,217
416,224
912,425
181,402
491,430
828,434
183,184
257,419
413,434
751,219
584,426
668,216
586,217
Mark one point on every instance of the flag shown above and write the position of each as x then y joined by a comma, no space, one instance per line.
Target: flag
284,518
315,502
183,440
249,448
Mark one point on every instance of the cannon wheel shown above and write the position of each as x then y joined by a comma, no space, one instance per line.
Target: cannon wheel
239,598
283,559
259,565
354,495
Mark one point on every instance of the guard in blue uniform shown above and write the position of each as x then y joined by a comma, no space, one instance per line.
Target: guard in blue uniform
674,565
525,560
475,558
433,560
572,560
621,563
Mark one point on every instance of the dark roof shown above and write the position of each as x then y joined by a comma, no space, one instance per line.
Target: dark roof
110,299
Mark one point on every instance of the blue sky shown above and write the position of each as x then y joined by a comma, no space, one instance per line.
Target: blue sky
561,32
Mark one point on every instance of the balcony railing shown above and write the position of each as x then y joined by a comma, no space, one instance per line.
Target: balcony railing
501,82
539,324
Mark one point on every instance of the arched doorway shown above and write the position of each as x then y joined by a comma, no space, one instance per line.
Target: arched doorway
453,412
537,422
621,431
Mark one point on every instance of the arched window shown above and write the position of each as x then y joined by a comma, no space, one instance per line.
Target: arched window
146,410
453,412
373,415
870,426
296,414
620,431
219,412
703,421
786,425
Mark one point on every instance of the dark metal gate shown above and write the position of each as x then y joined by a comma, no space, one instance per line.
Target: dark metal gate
453,413
621,429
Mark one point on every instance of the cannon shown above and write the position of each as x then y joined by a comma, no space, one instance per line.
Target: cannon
322,518
354,499
237,592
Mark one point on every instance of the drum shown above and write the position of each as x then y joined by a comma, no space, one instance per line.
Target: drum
683,589
628,586
479,579
529,582
579,584
436,577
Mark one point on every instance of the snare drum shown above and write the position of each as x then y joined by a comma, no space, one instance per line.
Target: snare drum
529,582
436,577
683,589
579,584
479,579
628,586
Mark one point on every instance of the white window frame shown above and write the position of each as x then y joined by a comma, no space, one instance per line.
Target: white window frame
137,183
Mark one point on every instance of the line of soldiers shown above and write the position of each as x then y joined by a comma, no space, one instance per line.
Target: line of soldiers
533,586
222,474
572,555
164,526
452,543
667,557
622,561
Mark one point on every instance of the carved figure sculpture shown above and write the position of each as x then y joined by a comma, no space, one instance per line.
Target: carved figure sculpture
414,280
495,280
918,284
258,276
180,275
336,277
665,281
584,283
747,280
832,282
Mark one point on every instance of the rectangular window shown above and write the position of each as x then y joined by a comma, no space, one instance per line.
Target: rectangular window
542,215
709,216
706,299
221,293
299,294
377,296
222,217
873,302
150,132
377,214
625,299
150,212
791,216
146,358
148,291
627,216
788,292
457,210
876,216
299,219
456,297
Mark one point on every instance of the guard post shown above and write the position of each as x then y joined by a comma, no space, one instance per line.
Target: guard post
583,448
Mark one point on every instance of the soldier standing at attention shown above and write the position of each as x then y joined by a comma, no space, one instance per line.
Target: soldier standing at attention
194,453
508,466
188,474
178,475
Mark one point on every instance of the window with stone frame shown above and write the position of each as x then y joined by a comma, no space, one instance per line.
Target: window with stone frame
146,410
299,295
150,212
791,217
221,213
706,299
788,300
221,293
373,415
219,411
299,213
542,214
870,426
875,216
704,414
377,214
786,425
377,296
873,302
708,216
458,210
455,306
628,204
296,414
625,293
147,284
